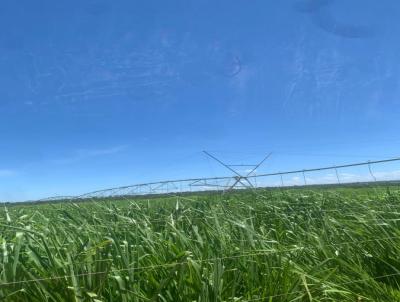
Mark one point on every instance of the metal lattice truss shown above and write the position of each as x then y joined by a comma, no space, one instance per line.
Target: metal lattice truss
240,180
225,183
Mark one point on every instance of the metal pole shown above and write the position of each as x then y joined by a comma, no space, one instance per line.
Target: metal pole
370,171
225,165
304,177
259,164
337,175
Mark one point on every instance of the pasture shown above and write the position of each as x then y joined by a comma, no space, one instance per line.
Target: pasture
327,244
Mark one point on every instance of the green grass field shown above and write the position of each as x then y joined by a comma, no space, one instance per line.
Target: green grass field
329,244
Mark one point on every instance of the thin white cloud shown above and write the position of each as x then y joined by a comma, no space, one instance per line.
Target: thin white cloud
81,154
7,172
97,152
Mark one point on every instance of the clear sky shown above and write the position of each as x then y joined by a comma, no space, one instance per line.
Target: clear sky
103,93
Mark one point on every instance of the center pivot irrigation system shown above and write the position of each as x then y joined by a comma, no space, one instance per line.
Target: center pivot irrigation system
239,180
338,174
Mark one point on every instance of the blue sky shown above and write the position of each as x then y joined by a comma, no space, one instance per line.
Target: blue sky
103,93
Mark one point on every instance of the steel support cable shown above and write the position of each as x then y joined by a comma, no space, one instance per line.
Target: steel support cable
261,175
302,207
147,267
340,284
165,220
180,263
269,212
252,253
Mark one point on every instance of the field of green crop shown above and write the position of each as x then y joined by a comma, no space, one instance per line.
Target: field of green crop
292,245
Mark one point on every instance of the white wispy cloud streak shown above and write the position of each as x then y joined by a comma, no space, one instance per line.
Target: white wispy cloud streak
81,154
7,172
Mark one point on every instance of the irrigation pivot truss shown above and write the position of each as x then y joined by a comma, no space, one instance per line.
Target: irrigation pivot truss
337,174
239,178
